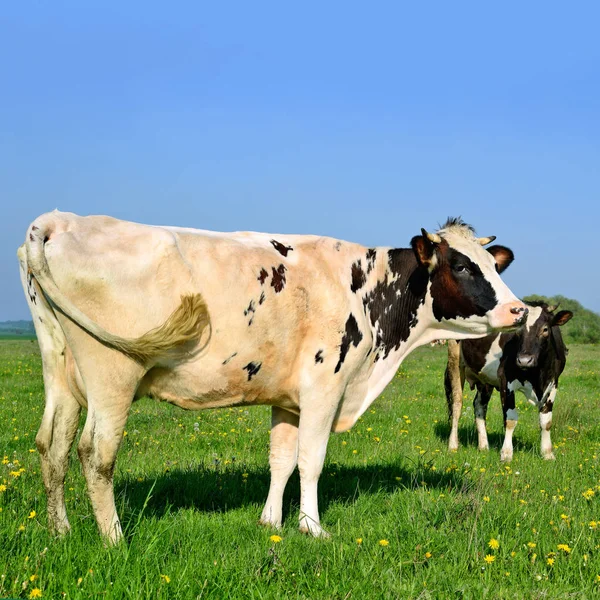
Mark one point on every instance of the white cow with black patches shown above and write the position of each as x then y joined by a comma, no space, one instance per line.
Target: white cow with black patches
530,360
314,327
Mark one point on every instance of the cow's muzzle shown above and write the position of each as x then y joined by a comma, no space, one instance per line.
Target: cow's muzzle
526,361
508,316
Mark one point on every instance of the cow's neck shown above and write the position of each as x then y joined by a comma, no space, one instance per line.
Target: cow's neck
392,303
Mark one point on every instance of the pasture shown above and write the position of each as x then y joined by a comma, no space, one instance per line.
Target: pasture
407,519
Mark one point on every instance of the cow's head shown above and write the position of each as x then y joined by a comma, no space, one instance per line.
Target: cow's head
468,296
541,329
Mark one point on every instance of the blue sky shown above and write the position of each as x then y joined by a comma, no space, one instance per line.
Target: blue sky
364,121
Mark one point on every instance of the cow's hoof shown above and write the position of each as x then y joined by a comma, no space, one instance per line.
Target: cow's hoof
549,456
506,456
271,524
453,447
483,448
315,530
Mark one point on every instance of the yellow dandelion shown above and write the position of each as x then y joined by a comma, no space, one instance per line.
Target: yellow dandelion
359,541
21,527
489,558
486,498
531,544
32,514
35,593
166,578
588,494
276,539
384,543
428,555
550,561
564,547
2,488
494,544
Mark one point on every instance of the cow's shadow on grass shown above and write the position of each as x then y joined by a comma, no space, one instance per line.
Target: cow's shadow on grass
218,490
467,436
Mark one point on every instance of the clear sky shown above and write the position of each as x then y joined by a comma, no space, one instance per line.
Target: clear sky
364,121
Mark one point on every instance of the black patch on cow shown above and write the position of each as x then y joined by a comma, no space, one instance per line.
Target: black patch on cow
371,257
262,276
229,358
475,351
278,281
337,246
352,336
262,298
319,357
283,250
358,276
458,287
252,368
250,311
34,228
31,237
391,306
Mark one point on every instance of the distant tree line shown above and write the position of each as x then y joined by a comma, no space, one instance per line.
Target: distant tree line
583,328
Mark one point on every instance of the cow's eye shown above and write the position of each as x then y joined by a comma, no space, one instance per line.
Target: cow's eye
462,269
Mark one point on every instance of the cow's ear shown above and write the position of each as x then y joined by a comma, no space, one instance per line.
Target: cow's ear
502,255
424,247
564,316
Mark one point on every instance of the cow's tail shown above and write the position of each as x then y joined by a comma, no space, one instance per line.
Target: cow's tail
176,335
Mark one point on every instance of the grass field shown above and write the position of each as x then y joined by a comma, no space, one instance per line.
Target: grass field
407,519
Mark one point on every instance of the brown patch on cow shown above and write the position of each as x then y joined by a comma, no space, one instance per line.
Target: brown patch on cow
337,246
278,281
262,276
31,237
34,228
283,250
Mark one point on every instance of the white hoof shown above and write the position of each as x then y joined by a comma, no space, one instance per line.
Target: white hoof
311,527
549,456
506,455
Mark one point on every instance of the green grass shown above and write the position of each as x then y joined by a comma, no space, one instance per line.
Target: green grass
190,496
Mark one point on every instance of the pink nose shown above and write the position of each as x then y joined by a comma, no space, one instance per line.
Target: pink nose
509,315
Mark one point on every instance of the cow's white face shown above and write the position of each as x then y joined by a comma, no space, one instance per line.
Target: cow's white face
468,297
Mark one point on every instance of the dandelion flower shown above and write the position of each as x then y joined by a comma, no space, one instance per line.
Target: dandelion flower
564,547
32,514
276,539
166,578
494,544
486,498
531,544
428,555
489,558
35,593
550,561
384,543
359,541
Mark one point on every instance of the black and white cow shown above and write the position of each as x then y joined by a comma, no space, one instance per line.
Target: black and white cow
529,360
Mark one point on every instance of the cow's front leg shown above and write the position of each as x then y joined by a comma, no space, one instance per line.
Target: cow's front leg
510,422
545,426
313,435
480,406
282,460
453,383
98,446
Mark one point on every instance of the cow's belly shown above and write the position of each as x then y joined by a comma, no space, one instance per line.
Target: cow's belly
204,388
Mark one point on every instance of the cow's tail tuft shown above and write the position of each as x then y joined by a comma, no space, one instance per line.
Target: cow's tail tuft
175,337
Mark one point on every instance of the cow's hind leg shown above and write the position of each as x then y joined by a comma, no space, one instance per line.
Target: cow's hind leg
480,406
61,413
110,392
453,384
283,458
